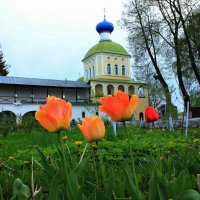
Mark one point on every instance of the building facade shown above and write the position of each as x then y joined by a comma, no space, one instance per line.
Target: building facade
21,96
106,70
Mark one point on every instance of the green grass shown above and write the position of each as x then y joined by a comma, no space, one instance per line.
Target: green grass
173,148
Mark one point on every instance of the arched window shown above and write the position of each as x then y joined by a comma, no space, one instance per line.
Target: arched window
86,74
83,114
121,88
110,90
116,69
108,69
123,70
141,91
90,74
93,71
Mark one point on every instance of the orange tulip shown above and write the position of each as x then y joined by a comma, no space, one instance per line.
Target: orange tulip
55,114
92,128
119,107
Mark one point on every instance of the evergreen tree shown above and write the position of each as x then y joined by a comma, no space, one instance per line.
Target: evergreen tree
3,66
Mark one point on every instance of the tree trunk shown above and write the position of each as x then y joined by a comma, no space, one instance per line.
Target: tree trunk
191,55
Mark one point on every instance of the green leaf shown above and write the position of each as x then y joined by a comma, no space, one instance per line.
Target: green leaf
54,187
25,191
1,194
110,185
135,194
20,190
97,195
163,188
153,190
48,168
182,182
119,188
73,188
188,195
82,167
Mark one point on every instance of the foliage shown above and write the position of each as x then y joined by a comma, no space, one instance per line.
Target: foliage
143,27
20,191
163,38
3,66
161,163
7,123
81,79
28,123
195,97
92,106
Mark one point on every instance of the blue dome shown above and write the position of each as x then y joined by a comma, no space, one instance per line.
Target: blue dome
104,26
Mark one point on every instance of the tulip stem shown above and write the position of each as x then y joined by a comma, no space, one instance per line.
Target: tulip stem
83,153
64,162
68,151
131,154
95,167
101,165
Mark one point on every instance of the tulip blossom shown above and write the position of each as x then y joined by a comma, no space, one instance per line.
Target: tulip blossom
92,128
55,114
119,107
151,114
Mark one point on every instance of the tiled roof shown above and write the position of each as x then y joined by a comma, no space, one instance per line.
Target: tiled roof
11,80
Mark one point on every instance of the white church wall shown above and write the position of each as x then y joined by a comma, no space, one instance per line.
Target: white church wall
20,110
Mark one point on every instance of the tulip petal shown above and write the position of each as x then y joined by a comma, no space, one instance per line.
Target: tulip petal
119,108
151,114
67,115
92,128
55,114
46,121
133,102
111,107
85,132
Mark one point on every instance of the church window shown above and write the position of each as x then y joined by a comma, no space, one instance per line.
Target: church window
86,74
123,70
93,71
109,91
83,114
141,91
90,73
108,69
116,69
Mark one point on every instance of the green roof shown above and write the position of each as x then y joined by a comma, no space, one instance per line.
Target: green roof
106,47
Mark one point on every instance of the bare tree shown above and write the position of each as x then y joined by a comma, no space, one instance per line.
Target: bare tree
179,8
142,25
173,25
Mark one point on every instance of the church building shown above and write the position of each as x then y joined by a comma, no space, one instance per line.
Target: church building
106,70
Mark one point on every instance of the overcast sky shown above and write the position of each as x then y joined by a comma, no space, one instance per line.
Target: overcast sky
49,38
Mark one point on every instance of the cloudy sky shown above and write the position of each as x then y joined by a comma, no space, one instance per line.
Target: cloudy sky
49,38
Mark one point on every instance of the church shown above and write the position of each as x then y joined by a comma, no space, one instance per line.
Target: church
106,68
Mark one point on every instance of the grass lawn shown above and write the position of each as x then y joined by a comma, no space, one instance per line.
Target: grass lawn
172,149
